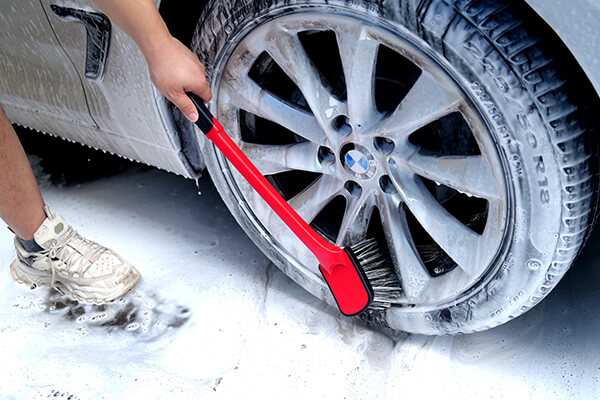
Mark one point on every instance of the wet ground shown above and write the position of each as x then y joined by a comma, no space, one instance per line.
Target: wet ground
213,318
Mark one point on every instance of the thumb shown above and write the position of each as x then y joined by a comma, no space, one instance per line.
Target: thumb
183,102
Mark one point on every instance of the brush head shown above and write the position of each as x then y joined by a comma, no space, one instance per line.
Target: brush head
380,273
347,282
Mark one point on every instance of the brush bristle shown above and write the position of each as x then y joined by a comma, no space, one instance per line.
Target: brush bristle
380,272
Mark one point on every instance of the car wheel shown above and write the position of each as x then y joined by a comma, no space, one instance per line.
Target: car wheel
440,128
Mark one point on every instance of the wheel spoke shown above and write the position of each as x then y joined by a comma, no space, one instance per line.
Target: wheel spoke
467,248
467,174
273,159
287,51
356,220
427,101
358,52
414,277
314,198
247,95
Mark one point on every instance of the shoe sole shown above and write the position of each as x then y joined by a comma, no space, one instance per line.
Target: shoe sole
33,278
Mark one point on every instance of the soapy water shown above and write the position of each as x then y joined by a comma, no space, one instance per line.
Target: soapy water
153,343
140,313
55,394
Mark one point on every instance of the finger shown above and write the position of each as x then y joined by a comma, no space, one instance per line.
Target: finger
205,94
201,87
183,102
203,91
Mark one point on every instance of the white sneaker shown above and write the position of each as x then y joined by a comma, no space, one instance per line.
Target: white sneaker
72,264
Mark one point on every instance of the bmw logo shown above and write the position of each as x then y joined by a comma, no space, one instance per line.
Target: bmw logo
358,161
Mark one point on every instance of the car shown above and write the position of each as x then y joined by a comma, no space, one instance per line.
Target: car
459,134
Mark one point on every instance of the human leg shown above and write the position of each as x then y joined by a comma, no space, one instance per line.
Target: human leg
21,204
60,257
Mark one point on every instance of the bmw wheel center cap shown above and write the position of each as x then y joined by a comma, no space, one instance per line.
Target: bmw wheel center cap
358,161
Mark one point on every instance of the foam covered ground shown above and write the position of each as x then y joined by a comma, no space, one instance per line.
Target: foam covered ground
213,318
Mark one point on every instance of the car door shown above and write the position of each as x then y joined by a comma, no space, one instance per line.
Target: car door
39,86
133,119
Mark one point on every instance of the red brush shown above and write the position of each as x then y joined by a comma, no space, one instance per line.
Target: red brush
340,267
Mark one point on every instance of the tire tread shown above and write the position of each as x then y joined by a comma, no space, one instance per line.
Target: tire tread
539,76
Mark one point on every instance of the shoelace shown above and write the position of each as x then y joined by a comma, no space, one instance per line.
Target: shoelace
57,250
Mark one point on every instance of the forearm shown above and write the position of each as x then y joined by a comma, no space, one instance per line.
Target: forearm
173,68
140,20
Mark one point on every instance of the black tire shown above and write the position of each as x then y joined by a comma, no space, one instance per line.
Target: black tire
511,79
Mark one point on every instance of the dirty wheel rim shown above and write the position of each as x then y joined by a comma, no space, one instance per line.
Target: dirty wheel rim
362,150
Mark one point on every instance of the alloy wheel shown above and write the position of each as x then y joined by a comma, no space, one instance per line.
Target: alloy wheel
366,135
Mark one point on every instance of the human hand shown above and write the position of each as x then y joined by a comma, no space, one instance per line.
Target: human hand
174,70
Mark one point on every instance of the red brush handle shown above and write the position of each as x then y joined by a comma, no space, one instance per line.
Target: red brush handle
343,274
325,252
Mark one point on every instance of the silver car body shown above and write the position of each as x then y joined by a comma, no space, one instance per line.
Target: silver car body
43,85
576,23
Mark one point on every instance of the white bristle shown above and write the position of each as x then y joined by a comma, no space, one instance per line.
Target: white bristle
380,272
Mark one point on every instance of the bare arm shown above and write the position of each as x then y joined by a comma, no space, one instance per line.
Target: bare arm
174,69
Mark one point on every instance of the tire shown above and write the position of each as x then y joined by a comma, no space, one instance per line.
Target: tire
510,129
